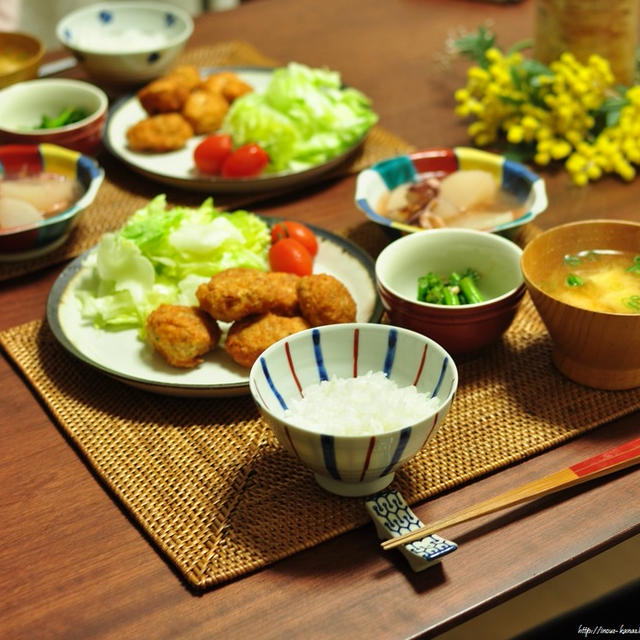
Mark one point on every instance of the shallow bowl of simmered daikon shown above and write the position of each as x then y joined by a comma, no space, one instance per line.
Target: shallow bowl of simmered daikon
457,187
460,287
43,191
584,280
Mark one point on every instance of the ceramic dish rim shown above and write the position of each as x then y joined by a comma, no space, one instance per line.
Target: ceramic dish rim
446,400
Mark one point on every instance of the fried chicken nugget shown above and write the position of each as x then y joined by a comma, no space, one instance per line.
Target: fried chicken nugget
162,132
182,334
283,293
205,111
248,338
226,83
235,293
163,95
324,300
187,74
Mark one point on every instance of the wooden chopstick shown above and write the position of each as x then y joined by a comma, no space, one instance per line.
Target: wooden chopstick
603,464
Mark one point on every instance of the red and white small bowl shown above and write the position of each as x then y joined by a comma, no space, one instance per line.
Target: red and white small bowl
22,106
463,329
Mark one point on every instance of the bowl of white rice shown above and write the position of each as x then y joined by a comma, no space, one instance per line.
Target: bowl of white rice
126,42
354,401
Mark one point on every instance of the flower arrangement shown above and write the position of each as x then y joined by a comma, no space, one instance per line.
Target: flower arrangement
566,111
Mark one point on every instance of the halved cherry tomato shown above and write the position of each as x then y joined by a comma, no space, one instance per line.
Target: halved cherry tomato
296,230
290,256
211,153
246,161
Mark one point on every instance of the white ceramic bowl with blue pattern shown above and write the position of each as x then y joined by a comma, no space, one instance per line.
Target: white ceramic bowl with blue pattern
126,42
353,465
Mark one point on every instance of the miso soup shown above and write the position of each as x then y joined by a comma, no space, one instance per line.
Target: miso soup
598,280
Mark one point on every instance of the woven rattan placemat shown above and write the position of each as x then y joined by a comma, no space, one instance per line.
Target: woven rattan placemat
210,485
124,191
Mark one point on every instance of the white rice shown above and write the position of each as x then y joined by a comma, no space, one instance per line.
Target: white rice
367,405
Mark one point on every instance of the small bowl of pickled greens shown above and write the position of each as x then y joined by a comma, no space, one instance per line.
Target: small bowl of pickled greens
460,287
68,113
584,280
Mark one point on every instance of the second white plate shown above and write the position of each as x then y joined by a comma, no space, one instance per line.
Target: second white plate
176,168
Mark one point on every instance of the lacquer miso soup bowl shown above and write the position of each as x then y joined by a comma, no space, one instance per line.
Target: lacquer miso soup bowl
353,402
462,329
577,274
20,57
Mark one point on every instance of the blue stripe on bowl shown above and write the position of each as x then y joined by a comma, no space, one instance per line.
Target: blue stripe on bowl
392,343
517,179
317,350
329,456
105,17
443,370
86,169
169,19
401,446
272,386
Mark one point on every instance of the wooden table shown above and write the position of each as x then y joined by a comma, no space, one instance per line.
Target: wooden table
72,565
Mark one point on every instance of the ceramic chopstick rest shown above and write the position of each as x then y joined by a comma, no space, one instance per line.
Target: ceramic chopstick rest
393,517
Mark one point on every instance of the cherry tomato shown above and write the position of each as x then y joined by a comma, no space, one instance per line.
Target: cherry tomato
290,256
298,231
211,153
246,161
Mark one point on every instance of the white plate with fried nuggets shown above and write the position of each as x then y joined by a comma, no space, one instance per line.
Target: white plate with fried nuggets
176,167
122,355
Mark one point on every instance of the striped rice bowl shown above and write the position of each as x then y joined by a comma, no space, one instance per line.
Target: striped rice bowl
347,460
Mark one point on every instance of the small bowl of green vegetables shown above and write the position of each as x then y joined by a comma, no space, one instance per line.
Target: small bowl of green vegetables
460,287
68,113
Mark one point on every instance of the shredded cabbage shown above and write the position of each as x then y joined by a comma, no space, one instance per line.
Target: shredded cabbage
162,255
304,118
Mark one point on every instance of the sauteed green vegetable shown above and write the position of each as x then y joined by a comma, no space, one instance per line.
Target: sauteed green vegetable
454,289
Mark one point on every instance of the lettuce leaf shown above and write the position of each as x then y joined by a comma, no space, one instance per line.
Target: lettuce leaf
305,117
162,255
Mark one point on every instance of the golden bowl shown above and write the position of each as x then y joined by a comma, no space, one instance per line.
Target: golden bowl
595,348
20,57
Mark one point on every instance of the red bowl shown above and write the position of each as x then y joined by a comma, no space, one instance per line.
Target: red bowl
23,105
463,329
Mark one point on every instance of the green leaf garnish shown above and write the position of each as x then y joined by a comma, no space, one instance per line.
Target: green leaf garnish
633,303
574,281
635,267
